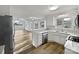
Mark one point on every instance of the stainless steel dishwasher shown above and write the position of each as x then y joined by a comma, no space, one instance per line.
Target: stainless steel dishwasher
44,37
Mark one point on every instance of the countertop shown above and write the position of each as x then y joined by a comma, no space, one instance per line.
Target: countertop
55,31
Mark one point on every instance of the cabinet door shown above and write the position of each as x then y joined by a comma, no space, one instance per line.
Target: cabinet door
39,39
42,24
56,37
52,37
62,38
36,25
34,39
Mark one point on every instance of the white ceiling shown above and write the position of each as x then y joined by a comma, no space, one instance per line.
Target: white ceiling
29,10
39,10
35,10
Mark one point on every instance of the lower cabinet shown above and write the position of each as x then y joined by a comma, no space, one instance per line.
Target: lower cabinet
57,37
39,38
62,38
53,37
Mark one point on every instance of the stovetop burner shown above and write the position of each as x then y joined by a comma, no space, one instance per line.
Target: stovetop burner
74,38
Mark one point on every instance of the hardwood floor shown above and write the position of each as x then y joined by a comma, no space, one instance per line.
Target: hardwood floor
48,48
23,45
23,41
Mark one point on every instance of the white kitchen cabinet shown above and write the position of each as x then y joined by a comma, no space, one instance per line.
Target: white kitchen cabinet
57,37
63,38
39,37
28,25
39,24
35,24
53,37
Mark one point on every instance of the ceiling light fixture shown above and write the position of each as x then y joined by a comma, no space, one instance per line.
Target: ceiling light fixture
53,7
67,19
64,15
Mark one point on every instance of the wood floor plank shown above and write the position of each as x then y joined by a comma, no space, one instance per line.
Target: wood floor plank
22,41
49,48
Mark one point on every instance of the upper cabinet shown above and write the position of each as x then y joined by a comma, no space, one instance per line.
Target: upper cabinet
35,24
39,24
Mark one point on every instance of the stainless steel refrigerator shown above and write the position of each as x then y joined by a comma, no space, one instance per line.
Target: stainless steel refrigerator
6,34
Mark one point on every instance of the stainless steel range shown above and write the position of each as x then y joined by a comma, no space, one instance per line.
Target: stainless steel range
72,45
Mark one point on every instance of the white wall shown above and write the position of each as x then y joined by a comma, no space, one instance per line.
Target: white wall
4,10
